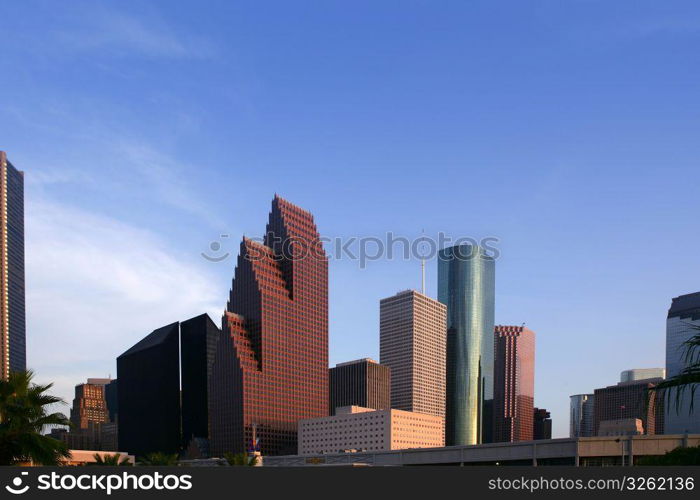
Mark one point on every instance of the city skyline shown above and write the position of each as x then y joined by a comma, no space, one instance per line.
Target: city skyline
536,130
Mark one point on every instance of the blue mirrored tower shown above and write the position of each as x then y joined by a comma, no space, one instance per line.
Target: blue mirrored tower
466,285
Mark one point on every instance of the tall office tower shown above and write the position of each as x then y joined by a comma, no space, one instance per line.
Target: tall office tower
149,394
412,342
629,400
163,387
90,404
13,356
198,339
642,374
581,415
682,324
541,424
513,383
91,426
271,365
111,398
466,285
363,383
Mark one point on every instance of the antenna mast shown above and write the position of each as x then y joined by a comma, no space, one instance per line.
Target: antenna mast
422,270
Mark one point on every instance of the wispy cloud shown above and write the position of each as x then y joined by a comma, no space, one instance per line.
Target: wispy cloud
167,179
121,34
95,286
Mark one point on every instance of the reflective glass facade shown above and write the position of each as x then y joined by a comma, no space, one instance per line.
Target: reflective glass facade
682,324
466,285
581,415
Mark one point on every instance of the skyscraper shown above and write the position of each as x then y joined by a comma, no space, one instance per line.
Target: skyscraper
111,398
199,337
466,285
629,400
148,394
581,415
641,374
91,428
514,383
362,382
412,342
89,404
542,424
13,356
271,365
162,393
682,323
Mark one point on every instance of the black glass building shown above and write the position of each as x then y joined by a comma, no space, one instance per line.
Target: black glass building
466,285
162,390
198,340
148,394
13,355
363,382
111,398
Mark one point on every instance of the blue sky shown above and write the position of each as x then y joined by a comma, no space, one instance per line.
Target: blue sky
568,130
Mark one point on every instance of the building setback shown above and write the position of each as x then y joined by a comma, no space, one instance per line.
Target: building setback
149,394
271,365
13,356
354,428
412,343
466,285
682,324
89,404
630,400
363,382
581,415
541,424
91,426
514,383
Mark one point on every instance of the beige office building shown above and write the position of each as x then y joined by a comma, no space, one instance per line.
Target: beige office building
356,429
413,338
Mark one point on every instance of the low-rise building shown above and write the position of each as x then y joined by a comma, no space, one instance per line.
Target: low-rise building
354,429
621,427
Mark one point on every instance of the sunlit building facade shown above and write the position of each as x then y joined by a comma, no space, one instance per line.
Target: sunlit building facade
466,285
514,384
271,365
90,403
412,343
356,429
13,355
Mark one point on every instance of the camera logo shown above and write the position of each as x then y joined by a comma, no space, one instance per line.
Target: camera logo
215,246
17,483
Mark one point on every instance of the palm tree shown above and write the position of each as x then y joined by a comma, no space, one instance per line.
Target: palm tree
241,459
159,458
110,460
688,379
23,415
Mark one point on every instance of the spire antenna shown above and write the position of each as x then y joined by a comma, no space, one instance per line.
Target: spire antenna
422,268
